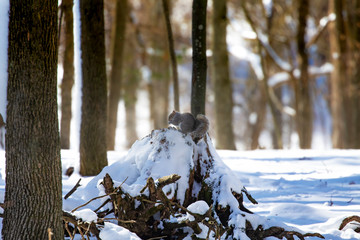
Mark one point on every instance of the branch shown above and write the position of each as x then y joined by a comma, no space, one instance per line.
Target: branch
265,44
73,189
320,29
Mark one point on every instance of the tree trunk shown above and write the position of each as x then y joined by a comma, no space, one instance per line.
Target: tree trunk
354,27
304,114
93,119
131,82
160,71
222,82
68,79
33,168
199,68
172,55
116,71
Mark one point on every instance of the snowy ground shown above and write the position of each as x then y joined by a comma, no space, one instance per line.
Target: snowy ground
311,190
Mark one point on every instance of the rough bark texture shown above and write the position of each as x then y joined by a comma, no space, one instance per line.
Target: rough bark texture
304,113
33,170
116,71
68,79
93,119
222,83
199,68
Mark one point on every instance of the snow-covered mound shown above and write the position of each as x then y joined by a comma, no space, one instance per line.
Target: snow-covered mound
162,153
207,190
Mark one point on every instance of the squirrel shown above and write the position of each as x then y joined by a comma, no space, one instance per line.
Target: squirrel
187,123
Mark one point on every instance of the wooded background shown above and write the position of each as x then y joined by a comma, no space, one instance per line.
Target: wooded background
280,73
284,71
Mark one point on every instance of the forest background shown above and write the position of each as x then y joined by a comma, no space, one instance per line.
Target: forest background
293,77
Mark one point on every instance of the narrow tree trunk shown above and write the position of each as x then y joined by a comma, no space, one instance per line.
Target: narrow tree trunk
33,168
116,71
94,100
131,82
304,114
199,68
354,13
338,76
172,55
68,79
222,82
160,71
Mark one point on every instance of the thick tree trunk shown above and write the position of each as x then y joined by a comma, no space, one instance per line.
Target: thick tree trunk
93,119
199,68
304,114
116,71
68,79
33,169
222,82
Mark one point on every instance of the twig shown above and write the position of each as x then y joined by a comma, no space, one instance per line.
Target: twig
117,219
98,197
73,189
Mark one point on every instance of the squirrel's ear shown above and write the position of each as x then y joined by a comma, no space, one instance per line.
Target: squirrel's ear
173,111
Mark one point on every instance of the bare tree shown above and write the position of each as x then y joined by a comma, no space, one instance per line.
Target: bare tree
222,81
116,71
199,68
33,205
68,79
172,54
93,155
303,102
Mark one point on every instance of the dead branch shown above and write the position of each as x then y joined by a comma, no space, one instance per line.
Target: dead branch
80,225
73,189
348,220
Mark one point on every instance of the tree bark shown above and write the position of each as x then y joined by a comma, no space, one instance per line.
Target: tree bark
222,82
116,71
33,168
68,79
304,114
94,99
199,68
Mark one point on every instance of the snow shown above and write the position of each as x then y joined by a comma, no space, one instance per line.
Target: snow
4,21
87,215
310,190
113,231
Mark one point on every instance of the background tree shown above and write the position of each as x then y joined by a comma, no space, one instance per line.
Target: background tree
199,68
94,95
166,9
33,169
116,70
303,103
159,65
221,78
339,75
132,79
68,78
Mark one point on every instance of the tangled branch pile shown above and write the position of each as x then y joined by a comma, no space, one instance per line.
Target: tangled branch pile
177,188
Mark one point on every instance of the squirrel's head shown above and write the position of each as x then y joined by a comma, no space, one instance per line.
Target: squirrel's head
174,118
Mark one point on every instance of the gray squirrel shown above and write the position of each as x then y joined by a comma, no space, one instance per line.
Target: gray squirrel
187,123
